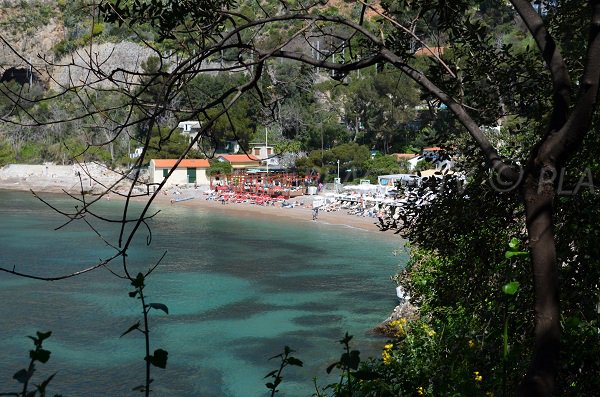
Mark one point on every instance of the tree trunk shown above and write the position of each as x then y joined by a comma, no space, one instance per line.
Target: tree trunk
539,193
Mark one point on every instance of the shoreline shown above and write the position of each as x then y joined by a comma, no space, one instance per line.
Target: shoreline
300,213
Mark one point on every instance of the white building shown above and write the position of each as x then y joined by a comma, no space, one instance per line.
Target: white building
136,153
188,171
264,152
190,129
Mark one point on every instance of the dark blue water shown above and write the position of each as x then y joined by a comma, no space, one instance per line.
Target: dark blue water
238,290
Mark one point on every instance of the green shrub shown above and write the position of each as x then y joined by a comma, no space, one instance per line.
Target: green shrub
7,154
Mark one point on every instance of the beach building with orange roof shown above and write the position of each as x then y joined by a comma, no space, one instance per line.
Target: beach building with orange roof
240,161
188,171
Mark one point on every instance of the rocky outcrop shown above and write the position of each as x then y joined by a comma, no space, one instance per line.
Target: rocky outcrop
29,30
92,65
29,33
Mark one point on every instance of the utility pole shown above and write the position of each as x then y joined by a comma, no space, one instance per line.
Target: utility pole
266,150
321,128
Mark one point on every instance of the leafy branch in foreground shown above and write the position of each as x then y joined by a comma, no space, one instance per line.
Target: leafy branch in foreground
286,360
24,376
160,356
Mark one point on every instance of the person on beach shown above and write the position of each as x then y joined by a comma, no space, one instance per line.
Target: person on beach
315,213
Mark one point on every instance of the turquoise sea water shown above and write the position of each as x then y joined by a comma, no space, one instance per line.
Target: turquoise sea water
238,291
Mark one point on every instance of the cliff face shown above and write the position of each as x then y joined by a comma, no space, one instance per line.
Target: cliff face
77,68
32,30
28,32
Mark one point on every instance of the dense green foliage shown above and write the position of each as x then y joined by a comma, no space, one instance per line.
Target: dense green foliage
469,274
219,168
375,108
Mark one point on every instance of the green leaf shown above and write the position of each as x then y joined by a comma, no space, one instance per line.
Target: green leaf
270,374
42,388
331,367
138,281
270,385
511,288
294,361
347,339
351,360
510,254
132,294
572,322
159,306
22,376
159,359
133,327
513,244
40,355
43,335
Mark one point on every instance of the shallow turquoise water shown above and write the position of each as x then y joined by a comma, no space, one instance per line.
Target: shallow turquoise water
238,291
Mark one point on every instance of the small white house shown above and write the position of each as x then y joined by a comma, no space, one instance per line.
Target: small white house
188,171
136,153
264,152
190,129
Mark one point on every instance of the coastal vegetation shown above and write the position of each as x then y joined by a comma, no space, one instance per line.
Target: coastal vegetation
504,261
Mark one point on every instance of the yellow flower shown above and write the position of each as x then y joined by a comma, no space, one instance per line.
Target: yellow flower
387,357
428,330
477,376
396,327
420,391
471,343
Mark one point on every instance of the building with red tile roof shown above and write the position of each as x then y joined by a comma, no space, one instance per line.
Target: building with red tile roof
240,161
188,171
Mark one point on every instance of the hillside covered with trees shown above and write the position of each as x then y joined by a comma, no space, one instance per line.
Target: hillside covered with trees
504,260
307,110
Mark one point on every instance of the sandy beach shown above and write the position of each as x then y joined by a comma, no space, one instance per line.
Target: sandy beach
301,213
48,182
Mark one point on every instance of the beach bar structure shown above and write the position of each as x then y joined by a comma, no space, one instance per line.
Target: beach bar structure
191,171
270,184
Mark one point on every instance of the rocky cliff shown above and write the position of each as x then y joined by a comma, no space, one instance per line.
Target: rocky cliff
29,34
